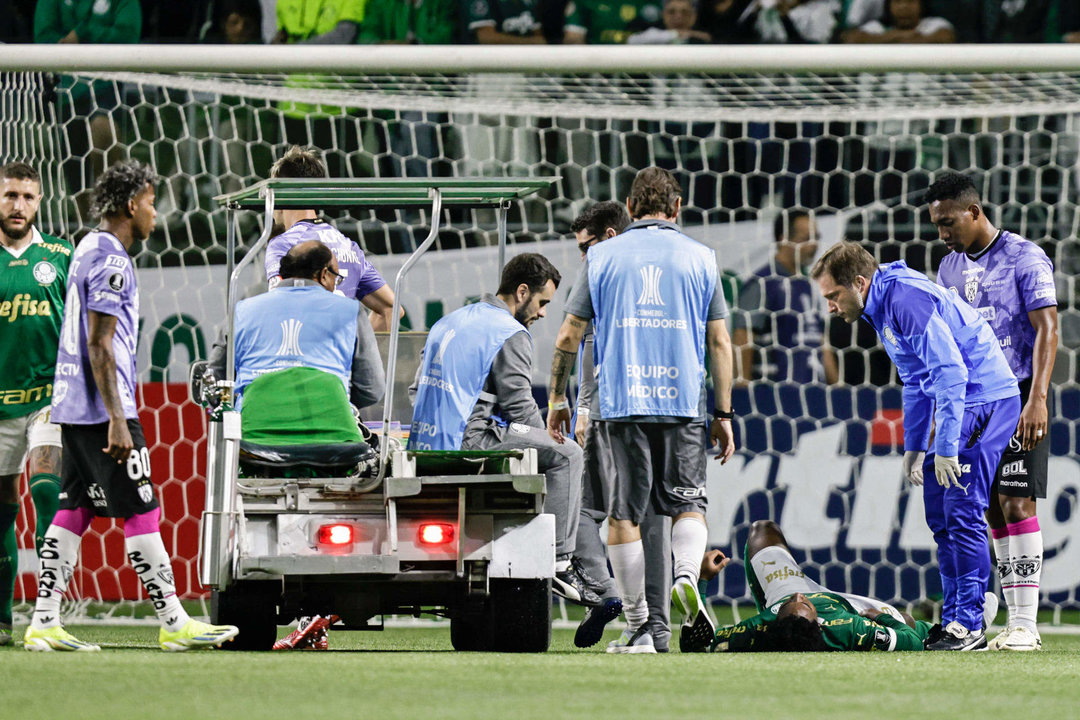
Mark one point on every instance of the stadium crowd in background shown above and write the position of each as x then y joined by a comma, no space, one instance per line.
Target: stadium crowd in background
779,331
571,21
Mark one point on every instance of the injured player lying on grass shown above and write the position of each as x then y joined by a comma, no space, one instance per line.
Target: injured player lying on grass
796,614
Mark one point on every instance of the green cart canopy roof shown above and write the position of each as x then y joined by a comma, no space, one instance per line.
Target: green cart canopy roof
304,193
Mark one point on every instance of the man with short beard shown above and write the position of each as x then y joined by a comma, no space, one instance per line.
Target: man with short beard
33,276
473,391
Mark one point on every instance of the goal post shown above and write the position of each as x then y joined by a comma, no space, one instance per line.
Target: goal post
852,136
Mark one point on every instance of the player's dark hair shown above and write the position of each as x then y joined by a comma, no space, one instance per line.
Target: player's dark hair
305,260
952,186
794,634
118,185
19,171
844,261
299,162
532,269
784,221
601,216
655,191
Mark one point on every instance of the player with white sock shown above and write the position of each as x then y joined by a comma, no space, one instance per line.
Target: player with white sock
656,304
106,465
1011,282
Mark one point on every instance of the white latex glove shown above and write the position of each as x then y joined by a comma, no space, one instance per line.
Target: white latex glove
913,460
948,472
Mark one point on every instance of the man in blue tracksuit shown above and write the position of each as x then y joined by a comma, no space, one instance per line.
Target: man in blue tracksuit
957,383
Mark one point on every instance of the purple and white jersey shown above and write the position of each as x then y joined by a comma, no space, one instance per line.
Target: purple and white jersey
102,279
1009,279
360,276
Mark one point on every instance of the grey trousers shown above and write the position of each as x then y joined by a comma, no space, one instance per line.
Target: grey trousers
561,465
655,541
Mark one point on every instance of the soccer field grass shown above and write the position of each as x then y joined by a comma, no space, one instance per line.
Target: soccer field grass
414,673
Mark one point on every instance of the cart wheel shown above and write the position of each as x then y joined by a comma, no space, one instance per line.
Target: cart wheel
250,605
471,632
521,615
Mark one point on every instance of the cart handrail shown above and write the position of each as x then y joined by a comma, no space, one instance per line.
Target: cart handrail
395,329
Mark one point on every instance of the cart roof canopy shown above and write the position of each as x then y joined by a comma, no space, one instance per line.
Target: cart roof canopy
305,193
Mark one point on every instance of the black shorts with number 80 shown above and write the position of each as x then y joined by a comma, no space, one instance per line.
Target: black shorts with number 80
91,479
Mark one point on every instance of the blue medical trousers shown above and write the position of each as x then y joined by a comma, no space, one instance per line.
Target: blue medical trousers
957,515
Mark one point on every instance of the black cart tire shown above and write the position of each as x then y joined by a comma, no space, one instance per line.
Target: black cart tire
251,606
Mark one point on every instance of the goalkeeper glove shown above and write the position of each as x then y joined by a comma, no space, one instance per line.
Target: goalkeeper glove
947,470
913,461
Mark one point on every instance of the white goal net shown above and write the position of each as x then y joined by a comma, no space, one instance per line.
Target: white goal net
855,150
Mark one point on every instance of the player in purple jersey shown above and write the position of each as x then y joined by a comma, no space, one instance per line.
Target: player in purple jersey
106,465
360,278
1010,281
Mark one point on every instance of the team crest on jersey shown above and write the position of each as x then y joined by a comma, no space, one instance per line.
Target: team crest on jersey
146,492
59,390
45,272
1026,566
888,334
971,289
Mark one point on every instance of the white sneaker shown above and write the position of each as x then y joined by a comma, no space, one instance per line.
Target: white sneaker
1021,639
999,639
685,599
638,642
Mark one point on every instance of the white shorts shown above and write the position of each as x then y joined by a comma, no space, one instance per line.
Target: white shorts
20,435
781,577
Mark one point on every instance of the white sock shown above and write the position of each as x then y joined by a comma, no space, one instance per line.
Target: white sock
57,560
147,556
1005,575
689,539
1026,554
628,565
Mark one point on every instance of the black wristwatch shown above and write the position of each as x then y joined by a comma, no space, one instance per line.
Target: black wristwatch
722,415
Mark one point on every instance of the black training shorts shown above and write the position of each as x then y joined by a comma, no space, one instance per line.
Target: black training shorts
1023,474
91,479
662,464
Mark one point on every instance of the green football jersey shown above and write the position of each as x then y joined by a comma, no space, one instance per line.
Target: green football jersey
842,627
32,290
611,22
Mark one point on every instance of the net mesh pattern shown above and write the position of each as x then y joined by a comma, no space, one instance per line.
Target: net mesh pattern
856,152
